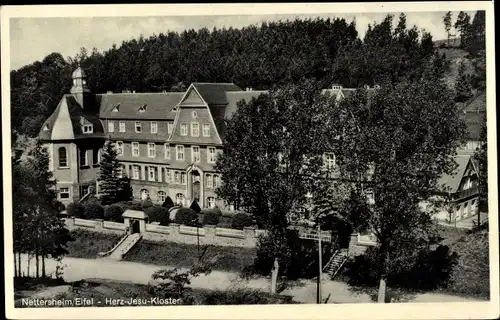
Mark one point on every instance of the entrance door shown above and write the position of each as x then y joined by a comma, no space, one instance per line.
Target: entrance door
196,187
136,226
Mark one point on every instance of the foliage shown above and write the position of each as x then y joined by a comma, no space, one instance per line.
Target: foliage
186,216
76,209
215,210
114,213
159,214
241,220
109,171
94,210
481,156
447,24
168,203
125,191
59,206
463,89
210,218
87,244
147,203
243,296
195,207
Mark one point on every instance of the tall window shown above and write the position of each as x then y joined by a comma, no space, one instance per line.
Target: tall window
467,183
370,196
195,129
135,172
211,202
154,127
161,196
95,156
138,127
63,158
179,152
151,150
121,171
184,129
209,181
135,149
195,154
63,193
167,176
216,181
111,126
211,155
121,125
170,127
83,158
329,161
119,148
206,130
177,177
179,199
167,151
151,173
183,178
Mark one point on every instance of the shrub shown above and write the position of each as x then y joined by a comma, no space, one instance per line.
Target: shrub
168,203
195,207
76,209
241,220
210,218
59,206
146,203
94,210
158,214
186,216
243,296
215,210
113,213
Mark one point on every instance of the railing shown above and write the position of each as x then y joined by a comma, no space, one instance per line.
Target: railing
340,267
107,253
225,232
466,193
313,235
135,238
331,259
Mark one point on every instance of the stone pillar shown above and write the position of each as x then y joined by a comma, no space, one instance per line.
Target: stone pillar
142,226
210,234
99,224
174,231
158,170
250,238
126,222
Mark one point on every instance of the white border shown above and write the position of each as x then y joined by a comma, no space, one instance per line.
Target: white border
332,311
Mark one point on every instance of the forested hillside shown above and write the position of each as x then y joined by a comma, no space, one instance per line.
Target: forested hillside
328,51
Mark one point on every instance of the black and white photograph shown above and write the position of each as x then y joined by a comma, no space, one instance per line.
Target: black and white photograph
289,161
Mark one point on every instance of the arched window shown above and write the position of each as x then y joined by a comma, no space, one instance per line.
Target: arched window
179,199
211,202
144,194
161,196
63,157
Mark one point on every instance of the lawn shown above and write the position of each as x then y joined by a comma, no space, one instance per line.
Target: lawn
185,255
88,244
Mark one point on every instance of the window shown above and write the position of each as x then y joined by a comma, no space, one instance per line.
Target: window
180,152
195,154
167,151
179,199
135,149
206,130
467,183
211,202
116,108
142,108
135,172
88,128
209,181
99,155
211,155
195,129
83,158
144,194
121,125
161,196
119,148
151,150
370,197
111,126
216,181
177,177
183,178
63,193
167,176
184,129
466,208
154,127
95,156
138,127
194,114
63,158
329,161
121,171
170,127
151,173
45,128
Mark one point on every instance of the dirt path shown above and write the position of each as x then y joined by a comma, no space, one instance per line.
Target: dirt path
77,269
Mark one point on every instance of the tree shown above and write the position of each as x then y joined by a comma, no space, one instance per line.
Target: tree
168,203
463,26
463,90
125,191
113,188
477,43
447,24
404,136
481,156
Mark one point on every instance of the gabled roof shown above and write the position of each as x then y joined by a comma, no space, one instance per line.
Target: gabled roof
158,105
451,183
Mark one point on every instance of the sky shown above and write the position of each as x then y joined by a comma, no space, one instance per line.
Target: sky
32,39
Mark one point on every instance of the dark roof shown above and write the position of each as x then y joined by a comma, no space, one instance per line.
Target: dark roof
158,105
215,93
474,122
451,182
477,103
234,97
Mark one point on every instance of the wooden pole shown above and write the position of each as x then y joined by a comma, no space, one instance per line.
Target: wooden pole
318,300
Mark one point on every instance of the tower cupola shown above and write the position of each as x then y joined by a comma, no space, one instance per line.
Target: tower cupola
79,89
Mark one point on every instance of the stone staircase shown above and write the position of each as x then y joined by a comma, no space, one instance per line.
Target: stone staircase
125,245
336,262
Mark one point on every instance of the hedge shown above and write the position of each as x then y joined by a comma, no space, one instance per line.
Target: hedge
186,216
210,218
76,209
114,213
94,210
158,214
241,220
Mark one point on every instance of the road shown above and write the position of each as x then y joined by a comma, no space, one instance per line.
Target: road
77,269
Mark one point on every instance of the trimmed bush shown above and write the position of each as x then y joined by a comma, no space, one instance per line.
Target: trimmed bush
168,203
59,206
158,214
186,216
195,207
146,204
211,218
113,213
215,210
76,209
241,220
94,210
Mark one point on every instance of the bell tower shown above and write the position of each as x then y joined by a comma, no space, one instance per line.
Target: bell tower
79,89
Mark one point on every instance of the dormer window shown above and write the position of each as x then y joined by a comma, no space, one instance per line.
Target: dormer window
45,128
116,108
174,109
88,128
142,108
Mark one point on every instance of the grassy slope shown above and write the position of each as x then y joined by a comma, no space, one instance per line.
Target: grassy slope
88,244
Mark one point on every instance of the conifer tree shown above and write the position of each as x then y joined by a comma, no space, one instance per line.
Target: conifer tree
447,24
109,174
463,89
